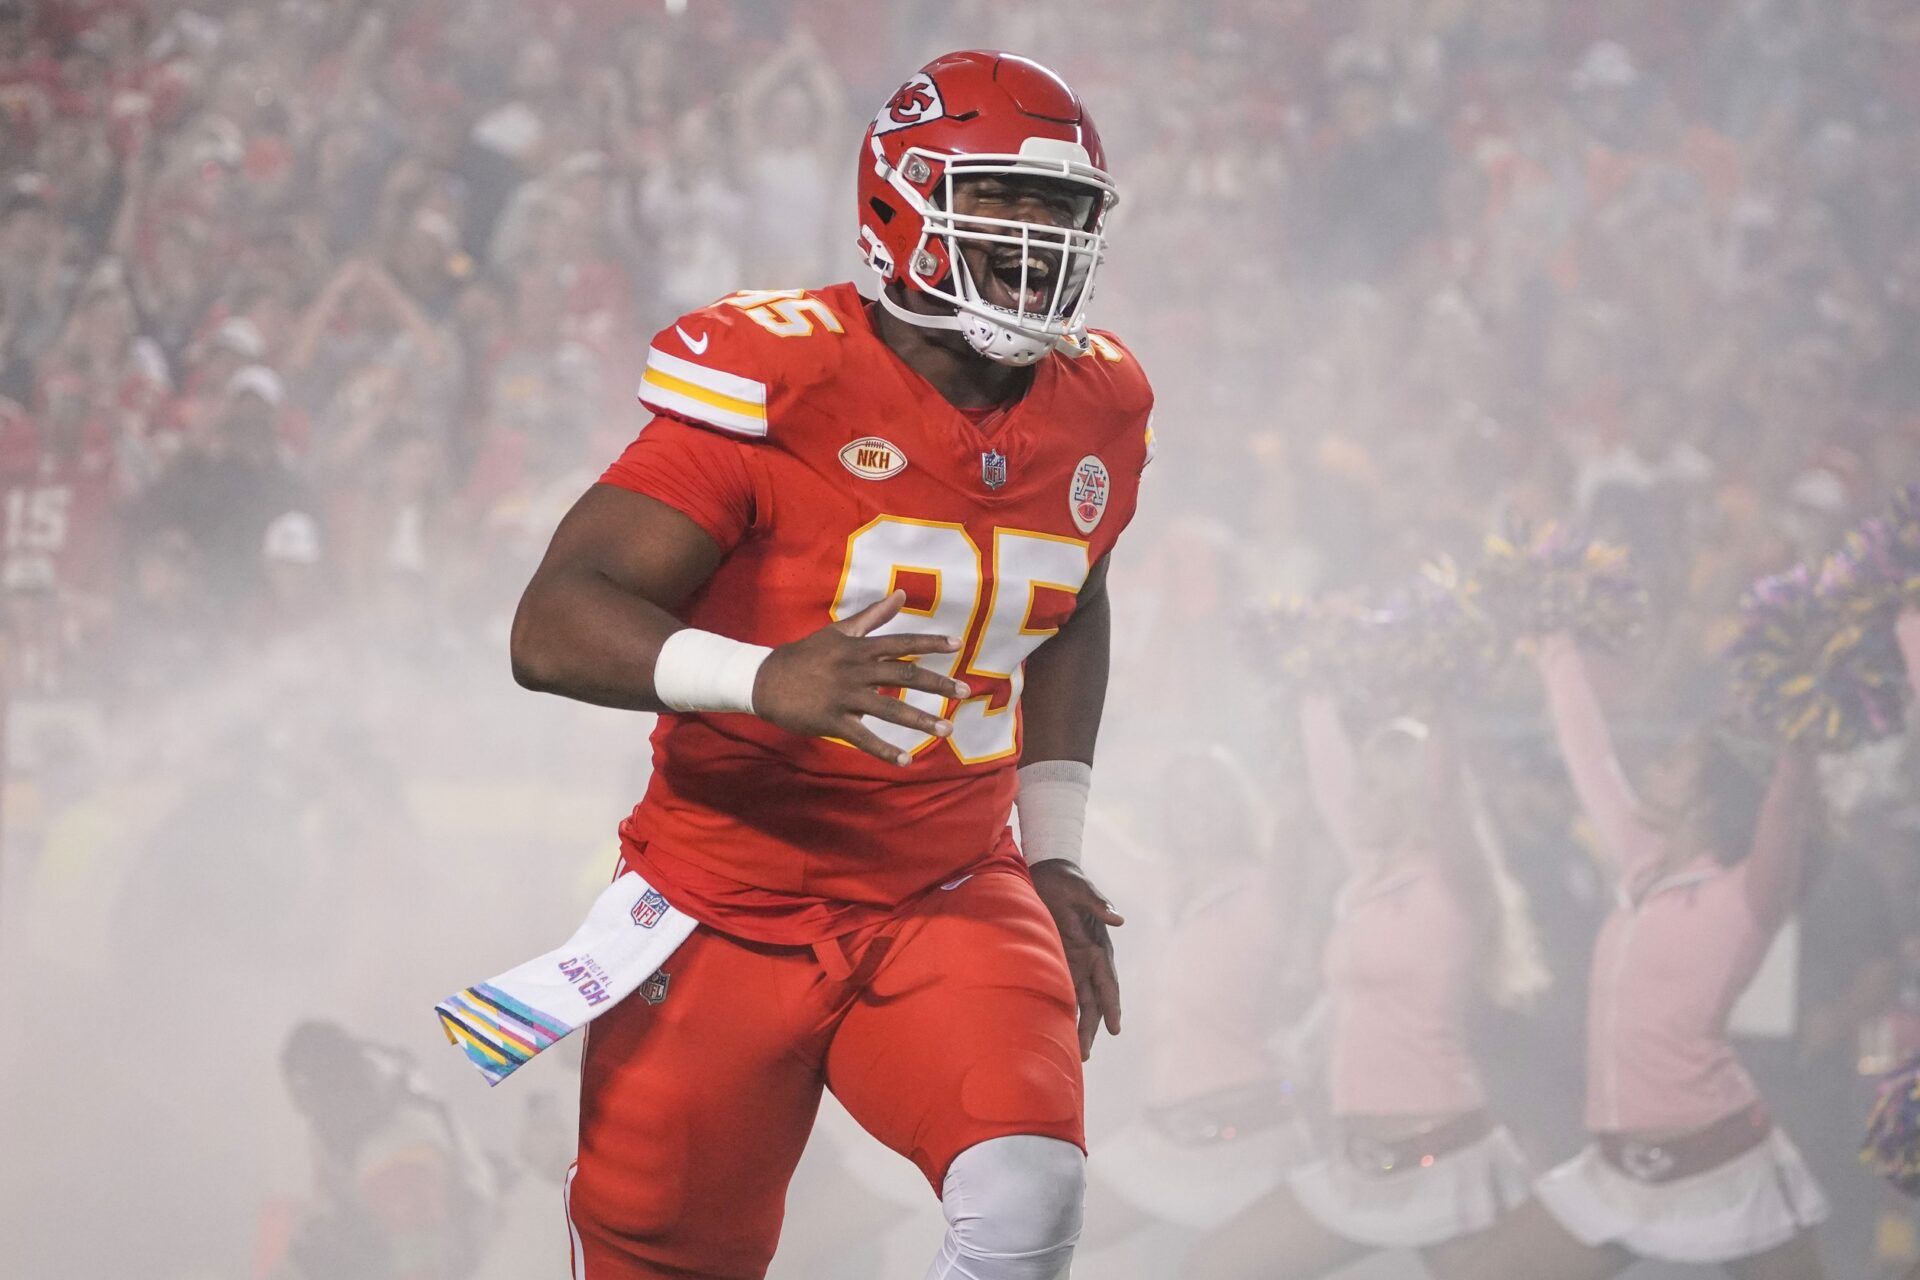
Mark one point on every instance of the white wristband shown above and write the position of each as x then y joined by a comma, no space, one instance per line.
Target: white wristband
700,671
1052,801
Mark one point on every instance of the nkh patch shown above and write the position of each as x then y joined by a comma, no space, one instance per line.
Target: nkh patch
1087,495
872,458
654,989
650,910
993,468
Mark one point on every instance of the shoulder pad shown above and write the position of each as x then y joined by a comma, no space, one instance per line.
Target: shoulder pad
724,365
1118,391
1116,373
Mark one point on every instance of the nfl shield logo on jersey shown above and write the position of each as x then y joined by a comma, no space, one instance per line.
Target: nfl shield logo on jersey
650,910
654,989
993,468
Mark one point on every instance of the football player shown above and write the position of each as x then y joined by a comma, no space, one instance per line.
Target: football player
857,561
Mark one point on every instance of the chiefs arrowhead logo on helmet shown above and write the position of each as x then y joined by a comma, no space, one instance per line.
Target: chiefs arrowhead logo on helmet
918,100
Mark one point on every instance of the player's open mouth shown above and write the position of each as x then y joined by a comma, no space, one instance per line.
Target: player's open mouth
1019,282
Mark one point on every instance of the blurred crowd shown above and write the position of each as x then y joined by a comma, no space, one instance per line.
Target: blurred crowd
315,315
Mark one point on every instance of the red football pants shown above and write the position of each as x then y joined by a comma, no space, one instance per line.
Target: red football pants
949,1023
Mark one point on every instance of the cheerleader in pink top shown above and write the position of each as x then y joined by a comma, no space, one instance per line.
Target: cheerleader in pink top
1685,1165
1216,1130
1894,1121
1428,923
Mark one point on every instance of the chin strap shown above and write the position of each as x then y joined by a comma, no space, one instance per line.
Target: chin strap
1000,343
951,322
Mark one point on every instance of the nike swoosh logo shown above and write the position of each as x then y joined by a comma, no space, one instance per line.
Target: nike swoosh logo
698,348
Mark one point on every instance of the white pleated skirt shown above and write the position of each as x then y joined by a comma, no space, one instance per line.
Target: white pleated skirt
1202,1186
1754,1202
1458,1194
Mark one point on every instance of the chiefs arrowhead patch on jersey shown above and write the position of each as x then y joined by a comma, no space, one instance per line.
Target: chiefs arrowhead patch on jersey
1087,496
872,458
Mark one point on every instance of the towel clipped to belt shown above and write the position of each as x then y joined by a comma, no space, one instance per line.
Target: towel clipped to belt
629,932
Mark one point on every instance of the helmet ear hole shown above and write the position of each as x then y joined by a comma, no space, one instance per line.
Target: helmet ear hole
881,210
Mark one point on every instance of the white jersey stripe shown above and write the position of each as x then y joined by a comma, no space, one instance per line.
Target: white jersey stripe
573,1232
715,380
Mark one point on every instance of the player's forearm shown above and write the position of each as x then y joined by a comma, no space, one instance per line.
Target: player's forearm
582,636
1066,684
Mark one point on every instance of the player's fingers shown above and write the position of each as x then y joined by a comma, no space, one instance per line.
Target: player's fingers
1088,1004
898,712
1097,907
875,614
1091,901
1106,982
904,645
857,734
1080,952
889,674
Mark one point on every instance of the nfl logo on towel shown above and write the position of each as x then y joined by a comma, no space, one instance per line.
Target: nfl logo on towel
650,910
993,468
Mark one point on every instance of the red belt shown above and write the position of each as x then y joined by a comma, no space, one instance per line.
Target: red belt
1690,1153
1378,1158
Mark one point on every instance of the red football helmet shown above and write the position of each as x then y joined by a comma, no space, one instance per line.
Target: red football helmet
974,114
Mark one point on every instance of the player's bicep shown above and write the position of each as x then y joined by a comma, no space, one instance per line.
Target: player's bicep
699,472
1095,587
638,543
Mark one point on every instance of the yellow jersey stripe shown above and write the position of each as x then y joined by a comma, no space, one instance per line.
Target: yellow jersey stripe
693,391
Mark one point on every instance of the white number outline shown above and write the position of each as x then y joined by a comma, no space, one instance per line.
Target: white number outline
39,517
912,741
787,313
979,634
1023,620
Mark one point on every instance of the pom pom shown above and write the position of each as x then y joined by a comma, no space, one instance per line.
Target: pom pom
1537,583
1403,649
1880,557
1892,1145
1898,545
1815,661
1427,639
1300,642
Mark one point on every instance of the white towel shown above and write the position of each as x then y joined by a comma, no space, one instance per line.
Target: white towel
628,934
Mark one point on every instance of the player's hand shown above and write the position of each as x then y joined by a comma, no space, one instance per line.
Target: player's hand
1083,916
822,685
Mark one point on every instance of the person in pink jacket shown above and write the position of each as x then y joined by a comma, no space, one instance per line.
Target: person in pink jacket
1685,1165
1427,923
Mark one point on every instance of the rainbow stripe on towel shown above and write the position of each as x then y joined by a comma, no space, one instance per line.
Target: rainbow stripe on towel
498,1033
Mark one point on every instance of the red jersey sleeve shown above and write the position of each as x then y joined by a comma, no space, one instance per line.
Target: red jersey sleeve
1115,388
697,472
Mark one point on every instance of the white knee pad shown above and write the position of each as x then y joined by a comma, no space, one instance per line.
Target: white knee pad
1013,1210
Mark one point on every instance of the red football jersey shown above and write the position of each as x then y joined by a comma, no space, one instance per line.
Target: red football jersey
830,474
58,505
